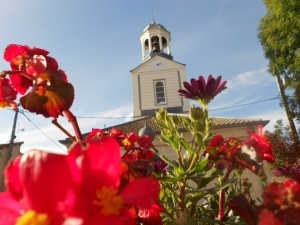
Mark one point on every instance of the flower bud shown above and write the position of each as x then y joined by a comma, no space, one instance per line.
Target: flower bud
196,113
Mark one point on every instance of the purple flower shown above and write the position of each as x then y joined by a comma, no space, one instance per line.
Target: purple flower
292,172
160,167
203,91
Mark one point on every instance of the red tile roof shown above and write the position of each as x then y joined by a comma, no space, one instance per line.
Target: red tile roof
217,122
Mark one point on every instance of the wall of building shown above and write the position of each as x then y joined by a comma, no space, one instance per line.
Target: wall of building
238,132
4,151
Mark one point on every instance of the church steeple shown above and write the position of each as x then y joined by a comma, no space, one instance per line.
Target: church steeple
155,39
158,78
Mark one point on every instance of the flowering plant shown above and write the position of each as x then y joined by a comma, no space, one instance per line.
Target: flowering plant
116,178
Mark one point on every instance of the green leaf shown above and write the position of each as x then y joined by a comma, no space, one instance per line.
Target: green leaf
200,166
187,146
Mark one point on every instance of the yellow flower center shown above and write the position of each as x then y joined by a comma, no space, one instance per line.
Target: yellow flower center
110,202
33,218
126,142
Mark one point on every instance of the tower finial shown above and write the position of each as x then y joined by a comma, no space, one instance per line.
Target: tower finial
153,18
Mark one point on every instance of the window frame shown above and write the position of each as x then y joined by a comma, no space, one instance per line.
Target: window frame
155,82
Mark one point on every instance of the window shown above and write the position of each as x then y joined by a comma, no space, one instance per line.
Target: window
160,95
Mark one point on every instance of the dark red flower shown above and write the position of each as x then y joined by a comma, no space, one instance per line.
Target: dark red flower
292,172
203,91
52,95
161,167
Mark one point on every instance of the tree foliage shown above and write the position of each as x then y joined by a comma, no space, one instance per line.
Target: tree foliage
286,152
279,33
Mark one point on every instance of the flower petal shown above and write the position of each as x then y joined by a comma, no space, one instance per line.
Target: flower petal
39,176
20,83
49,100
142,192
12,179
268,217
9,209
101,165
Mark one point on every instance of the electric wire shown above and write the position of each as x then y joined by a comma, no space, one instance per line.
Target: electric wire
129,117
22,112
246,104
217,109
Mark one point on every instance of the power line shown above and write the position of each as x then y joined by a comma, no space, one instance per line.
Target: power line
246,104
217,109
22,112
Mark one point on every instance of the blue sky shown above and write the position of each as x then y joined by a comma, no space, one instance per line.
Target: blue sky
97,43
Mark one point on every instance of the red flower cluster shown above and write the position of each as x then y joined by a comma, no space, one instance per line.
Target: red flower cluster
137,147
238,153
82,188
281,204
203,91
51,93
137,162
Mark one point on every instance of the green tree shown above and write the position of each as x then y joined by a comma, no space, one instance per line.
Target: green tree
279,33
286,152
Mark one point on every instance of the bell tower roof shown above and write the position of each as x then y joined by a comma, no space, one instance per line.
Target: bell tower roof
155,25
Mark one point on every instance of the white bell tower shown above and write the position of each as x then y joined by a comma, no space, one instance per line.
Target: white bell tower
158,78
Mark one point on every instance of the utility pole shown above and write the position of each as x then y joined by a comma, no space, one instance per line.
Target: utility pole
10,149
12,137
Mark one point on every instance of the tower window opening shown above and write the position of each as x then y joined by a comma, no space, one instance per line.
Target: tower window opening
160,94
155,44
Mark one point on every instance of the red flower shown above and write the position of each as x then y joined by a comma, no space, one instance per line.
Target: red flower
262,147
95,134
203,91
281,203
145,141
268,217
129,141
7,94
29,62
37,190
151,216
99,198
51,93
234,153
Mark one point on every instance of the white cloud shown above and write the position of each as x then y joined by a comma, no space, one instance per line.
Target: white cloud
250,78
